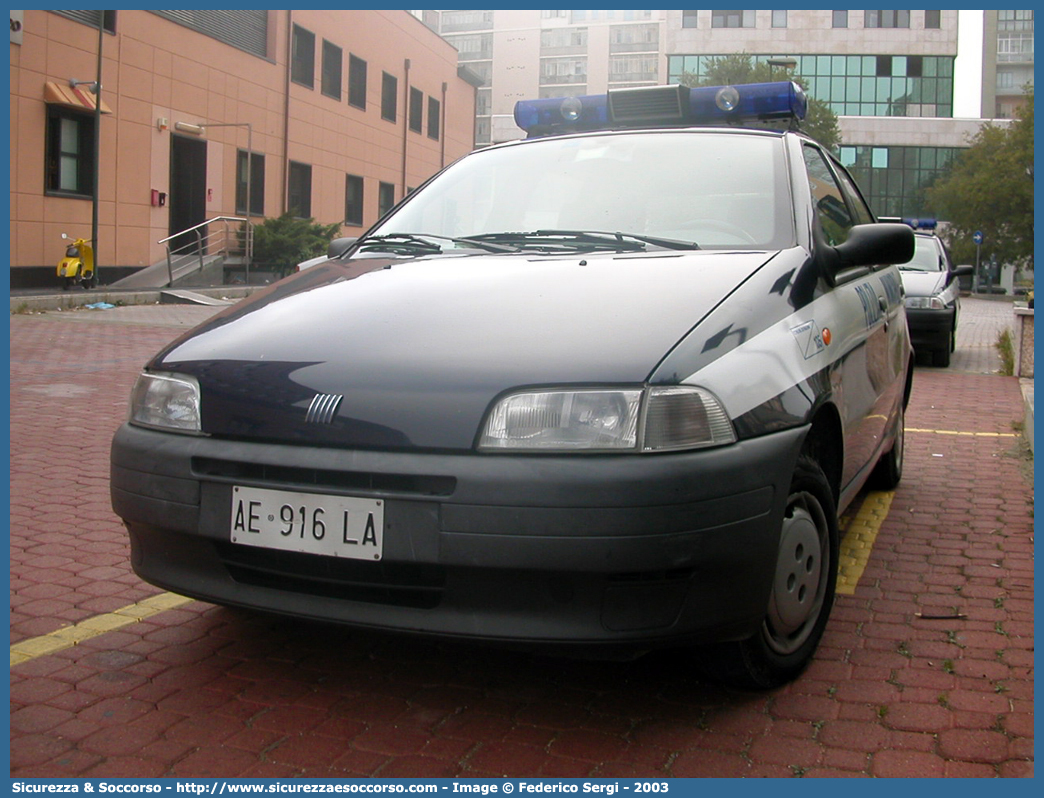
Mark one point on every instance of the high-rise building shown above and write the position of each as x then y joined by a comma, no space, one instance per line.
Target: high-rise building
1007,63
887,74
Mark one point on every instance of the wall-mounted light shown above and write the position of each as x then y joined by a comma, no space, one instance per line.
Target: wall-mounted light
162,123
188,127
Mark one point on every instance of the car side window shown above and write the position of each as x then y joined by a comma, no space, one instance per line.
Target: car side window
833,212
860,211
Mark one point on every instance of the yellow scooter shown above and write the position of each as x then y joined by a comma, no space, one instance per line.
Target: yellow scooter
77,265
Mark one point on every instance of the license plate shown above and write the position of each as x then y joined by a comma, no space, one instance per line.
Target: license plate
336,526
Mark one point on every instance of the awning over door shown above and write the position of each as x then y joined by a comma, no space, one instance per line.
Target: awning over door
79,97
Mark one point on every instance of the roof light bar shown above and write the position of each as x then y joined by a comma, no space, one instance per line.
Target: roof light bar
663,105
922,224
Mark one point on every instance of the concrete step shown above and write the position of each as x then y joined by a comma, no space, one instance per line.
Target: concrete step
182,297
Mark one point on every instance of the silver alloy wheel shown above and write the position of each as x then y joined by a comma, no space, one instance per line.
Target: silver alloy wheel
802,574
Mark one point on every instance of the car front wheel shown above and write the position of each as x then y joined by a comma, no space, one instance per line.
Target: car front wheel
802,591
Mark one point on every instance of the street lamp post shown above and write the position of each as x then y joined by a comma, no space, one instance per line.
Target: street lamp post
784,63
95,87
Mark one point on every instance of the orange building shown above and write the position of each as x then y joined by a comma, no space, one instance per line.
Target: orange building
332,115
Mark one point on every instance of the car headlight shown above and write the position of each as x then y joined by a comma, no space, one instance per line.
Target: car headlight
925,302
166,401
607,420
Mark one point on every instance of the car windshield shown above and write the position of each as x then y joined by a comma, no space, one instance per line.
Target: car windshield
631,191
926,256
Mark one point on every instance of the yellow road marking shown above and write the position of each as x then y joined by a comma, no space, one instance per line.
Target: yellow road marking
92,627
860,532
969,434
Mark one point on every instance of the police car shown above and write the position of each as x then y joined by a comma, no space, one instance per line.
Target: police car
606,388
933,294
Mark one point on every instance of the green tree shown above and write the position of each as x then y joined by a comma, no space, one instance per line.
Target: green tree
990,189
283,242
820,122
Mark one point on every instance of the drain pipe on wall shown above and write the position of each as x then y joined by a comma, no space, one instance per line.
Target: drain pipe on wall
286,111
442,127
405,124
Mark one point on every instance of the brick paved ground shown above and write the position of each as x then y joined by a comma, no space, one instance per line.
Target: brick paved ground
206,691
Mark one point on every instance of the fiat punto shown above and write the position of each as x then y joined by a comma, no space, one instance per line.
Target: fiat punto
604,388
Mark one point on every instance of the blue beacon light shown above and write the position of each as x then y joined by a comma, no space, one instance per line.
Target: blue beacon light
663,105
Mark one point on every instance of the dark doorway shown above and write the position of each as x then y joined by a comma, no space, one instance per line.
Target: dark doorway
188,190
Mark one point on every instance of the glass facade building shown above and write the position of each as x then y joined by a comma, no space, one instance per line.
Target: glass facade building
894,179
859,85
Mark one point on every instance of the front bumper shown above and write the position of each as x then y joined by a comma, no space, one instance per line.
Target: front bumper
634,550
930,330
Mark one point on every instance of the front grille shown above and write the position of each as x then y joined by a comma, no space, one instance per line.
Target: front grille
412,585
291,477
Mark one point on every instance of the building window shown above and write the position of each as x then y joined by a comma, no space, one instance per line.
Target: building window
389,97
332,60
1005,80
634,38
356,82
434,118
563,39
70,152
1011,20
353,200
779,18
416,110
257,183
475,47
887,18
1014,47
732,18
633,68
689,19
470,20
933,19
840,19
563,70
302,59
385,198
299,190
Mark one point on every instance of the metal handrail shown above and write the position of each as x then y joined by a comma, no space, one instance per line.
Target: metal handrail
201,241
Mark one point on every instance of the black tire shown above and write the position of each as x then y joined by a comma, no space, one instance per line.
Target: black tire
802,592
889,470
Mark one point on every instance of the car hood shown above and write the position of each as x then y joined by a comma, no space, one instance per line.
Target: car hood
923,283
419,349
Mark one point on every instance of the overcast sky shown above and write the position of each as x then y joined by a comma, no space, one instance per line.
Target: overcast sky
967,91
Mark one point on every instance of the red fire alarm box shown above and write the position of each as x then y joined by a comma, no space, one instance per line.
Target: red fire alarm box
159,198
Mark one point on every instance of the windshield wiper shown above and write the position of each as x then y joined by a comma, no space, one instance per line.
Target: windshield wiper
584,240
408,243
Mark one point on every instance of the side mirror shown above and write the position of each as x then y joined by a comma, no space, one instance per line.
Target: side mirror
873,245
339,246
963,271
